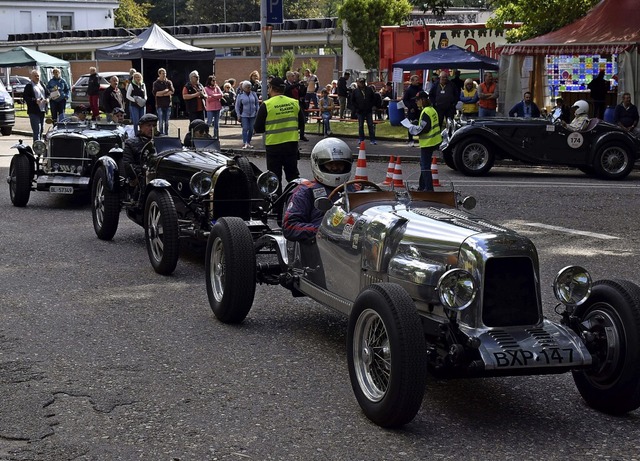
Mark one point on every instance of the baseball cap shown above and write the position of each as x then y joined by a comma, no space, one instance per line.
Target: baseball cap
422,95
277,82
118,110
81,109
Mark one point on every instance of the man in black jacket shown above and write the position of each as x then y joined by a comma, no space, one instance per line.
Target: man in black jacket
343,92
363,100
133,146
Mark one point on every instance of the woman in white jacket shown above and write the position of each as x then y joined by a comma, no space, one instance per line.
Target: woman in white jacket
137,97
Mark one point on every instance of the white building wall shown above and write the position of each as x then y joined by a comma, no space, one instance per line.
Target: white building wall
31,17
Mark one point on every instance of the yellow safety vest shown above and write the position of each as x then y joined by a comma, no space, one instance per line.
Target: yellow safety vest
281,124
469,107
433,137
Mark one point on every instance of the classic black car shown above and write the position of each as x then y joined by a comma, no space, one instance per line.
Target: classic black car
179,193
64,161
602,149
427,286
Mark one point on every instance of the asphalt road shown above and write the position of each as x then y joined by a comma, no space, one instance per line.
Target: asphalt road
103,359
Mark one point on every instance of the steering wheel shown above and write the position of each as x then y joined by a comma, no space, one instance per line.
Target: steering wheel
364,182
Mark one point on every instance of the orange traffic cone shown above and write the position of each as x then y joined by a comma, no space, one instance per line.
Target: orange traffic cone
398,183
434,171
361,165
390,169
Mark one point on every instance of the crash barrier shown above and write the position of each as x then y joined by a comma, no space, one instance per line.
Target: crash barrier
398,182
361,164
388,180
434,171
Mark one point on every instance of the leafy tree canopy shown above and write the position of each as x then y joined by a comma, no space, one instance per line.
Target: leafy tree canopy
364,18
132,14
537,17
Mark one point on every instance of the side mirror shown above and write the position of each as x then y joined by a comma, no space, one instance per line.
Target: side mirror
323,204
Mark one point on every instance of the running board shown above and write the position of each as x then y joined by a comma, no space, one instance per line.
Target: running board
323,296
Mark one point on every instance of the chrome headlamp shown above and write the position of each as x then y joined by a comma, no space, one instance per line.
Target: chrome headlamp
92,148
201,183
456,289
267,183
39,147
572,285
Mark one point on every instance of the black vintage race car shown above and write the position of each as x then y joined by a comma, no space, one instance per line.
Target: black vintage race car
601,149
428,286
63,163
179,193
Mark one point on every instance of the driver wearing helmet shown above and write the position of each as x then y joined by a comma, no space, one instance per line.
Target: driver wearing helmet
331,166
581,116
133,146
198,128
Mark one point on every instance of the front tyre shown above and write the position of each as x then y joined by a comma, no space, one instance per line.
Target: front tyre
20,180
105,206
230,269
611,317
448,160
387,355
612,161
473,157
161,231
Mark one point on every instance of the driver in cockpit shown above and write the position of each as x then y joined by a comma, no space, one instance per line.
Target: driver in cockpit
581,116
331,166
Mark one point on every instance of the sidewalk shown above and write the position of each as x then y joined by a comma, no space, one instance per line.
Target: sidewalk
231,141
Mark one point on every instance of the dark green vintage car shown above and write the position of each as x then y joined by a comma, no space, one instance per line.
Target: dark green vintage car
179,193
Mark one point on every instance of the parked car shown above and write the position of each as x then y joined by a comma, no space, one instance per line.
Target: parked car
428,286
16,85
79,95
602,149
7,111
178,194
63,162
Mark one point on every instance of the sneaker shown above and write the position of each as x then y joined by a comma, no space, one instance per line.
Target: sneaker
244,146
374,143
304,138
410,144
249,146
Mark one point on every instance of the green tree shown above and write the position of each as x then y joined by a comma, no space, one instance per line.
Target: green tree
280,67
537,17
364,18
132,14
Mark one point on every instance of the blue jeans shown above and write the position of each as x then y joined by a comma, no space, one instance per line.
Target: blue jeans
426,180
486,112
326,116
247,129
164,114
213,119
37,123
136,113
368,117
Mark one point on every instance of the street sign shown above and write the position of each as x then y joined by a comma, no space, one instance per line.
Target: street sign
274,12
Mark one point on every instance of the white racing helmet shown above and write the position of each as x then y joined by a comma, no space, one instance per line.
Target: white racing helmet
581,106
331,150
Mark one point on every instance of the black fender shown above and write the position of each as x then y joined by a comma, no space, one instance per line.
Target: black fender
156,183
466,131
26,150
111,171
617,137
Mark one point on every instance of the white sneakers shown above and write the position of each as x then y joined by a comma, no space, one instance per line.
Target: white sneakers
410,144
247,146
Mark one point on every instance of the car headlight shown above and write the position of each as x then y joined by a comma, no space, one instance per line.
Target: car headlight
92,148
572,285
456,289
267,183
39,147
201,183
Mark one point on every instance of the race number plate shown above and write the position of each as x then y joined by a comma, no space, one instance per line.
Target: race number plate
61,190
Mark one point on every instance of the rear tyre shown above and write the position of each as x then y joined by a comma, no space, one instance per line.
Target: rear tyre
161,231
105,206
611,316
387,355
612,161
230,269
20,180
473,157
6,130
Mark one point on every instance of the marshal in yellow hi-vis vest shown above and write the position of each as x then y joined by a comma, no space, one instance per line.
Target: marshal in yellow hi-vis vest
281,124
433,137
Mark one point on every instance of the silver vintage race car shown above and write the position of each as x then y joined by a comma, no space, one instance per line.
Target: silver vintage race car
430,287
